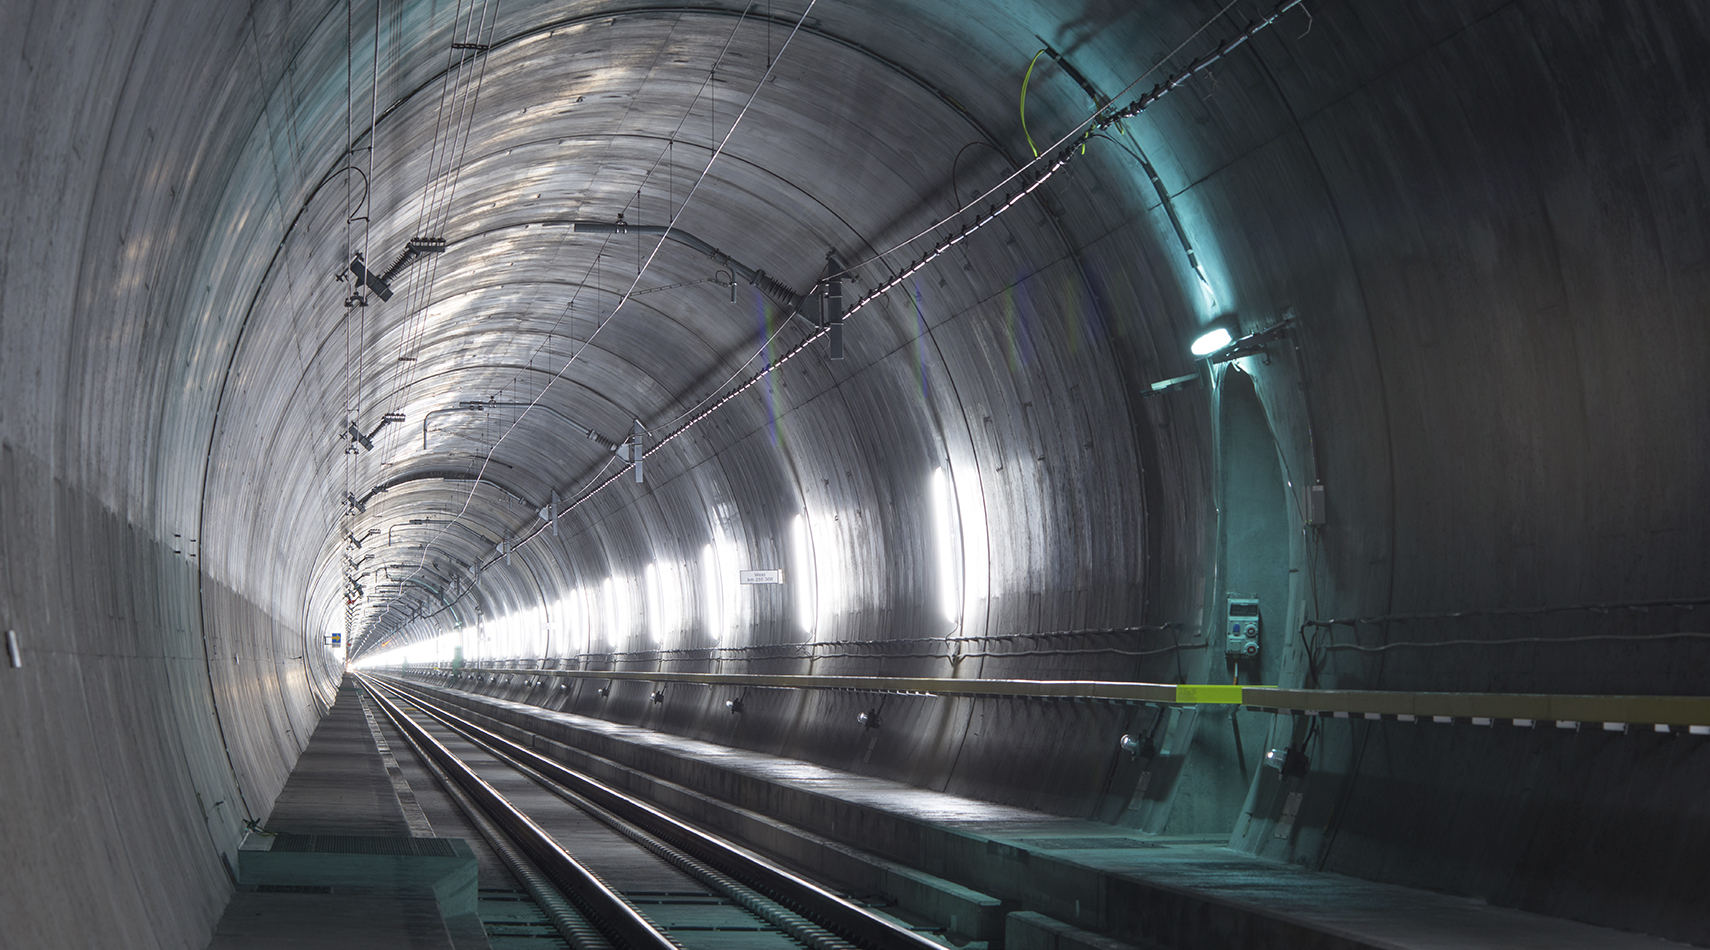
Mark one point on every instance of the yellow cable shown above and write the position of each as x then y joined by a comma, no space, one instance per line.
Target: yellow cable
1024,80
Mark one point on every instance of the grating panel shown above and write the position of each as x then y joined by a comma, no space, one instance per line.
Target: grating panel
353,844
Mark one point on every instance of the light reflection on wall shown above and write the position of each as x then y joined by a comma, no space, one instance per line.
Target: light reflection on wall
946,547
959,540
976,556
663,582
831,574
818,576
801,576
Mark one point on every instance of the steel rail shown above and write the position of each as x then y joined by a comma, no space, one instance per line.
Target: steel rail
809,934
607,907
1685,713
571,924
817,903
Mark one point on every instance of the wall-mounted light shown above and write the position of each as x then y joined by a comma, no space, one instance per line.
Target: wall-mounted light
1219,344
604,691
869,719
1211,342
1291,762
1139,747
658,696
734,705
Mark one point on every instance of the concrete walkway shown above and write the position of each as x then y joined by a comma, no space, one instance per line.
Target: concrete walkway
1063,880
340,868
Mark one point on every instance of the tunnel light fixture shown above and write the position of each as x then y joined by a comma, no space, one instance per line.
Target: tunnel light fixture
1139,747
658,697
1291,762
1220,346
869,719
734,705
1211,342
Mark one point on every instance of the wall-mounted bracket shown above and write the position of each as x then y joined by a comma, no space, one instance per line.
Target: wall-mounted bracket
381,284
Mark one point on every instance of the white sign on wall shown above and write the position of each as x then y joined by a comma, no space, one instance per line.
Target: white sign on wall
761,577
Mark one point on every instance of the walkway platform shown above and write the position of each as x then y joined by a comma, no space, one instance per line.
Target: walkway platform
1028,880
347,861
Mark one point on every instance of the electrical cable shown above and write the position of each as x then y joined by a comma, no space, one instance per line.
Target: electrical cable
592,270
1639,605
1024,80
1506,641
717,153
1092,119
1061,159
1098,120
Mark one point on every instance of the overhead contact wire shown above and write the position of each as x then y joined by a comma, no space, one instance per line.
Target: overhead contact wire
1065,152
717,153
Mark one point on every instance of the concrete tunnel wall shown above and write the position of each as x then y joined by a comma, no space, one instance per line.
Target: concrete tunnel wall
1488,219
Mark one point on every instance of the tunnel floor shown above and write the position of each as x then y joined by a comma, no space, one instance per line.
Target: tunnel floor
1154,890
1072,882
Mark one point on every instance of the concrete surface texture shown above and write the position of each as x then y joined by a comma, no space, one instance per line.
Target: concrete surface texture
1015,874
1485,218
341,864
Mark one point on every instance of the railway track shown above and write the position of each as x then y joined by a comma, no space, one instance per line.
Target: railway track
611,871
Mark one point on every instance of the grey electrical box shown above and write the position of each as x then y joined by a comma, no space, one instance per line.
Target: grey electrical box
1315,503
1242,630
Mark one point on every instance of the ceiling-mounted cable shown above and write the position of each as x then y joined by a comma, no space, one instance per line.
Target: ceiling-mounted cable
699,180
1024,80
1067,149
1079,129
458,95
1064,151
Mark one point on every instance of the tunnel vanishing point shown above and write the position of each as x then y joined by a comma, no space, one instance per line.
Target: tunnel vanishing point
1271,436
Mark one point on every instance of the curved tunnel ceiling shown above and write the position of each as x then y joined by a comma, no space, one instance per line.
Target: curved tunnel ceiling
557,120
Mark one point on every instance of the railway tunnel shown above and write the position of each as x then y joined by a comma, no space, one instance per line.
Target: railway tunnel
1045,474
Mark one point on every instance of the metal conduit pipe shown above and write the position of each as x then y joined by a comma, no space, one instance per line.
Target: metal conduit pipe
620,920
774,289
570,924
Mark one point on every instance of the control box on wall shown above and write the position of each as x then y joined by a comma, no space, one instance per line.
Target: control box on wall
1242,629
